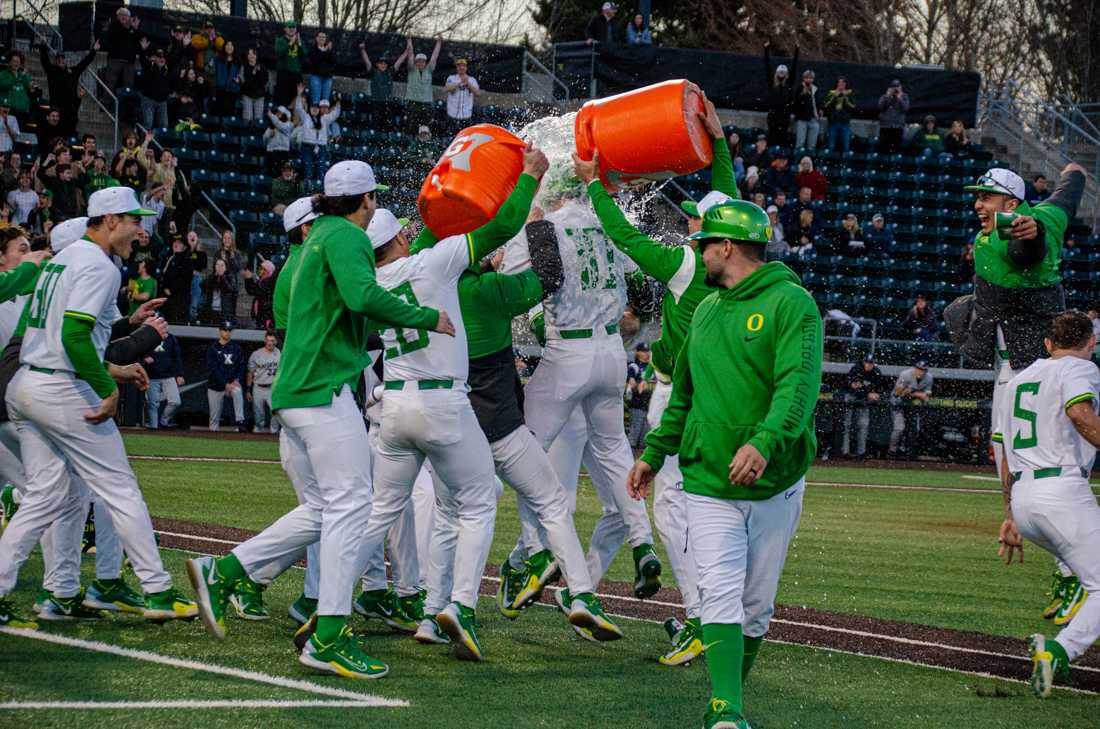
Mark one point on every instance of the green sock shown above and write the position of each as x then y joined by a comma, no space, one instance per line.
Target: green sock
329,627
229,567
725,652
696,623
752,650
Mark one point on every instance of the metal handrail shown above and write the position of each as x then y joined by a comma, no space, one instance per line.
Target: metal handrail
579,45
554,80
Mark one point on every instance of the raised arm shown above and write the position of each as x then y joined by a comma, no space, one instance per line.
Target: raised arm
406,55
355,280
511,216
365,56
435,54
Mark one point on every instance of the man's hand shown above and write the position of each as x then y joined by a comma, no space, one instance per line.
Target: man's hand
106,410
131,374
587,170
37,257
535,162
232,386
96,45
144,43
1024,227
709,115
639,480
535,214
872,397
1074,167
146,310
445,326
159,324
1010,541
747,466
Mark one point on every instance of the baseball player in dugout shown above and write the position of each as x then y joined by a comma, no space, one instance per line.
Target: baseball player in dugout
740,416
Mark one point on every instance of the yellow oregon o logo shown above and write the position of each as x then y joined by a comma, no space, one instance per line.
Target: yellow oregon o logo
756,322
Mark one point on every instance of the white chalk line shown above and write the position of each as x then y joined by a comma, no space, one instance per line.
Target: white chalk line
255,676
183,704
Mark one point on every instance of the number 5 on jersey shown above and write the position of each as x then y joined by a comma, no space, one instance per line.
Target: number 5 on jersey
1028,416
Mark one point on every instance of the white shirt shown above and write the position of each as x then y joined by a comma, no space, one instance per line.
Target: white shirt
10,311
1035,429
80,281
149,222
430,278
310,134
460,102
22,204
7,137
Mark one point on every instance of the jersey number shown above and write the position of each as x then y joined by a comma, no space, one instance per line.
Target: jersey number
589,260
43,295
404,343
1028,416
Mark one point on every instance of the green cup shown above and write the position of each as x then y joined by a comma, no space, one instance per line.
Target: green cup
1004,225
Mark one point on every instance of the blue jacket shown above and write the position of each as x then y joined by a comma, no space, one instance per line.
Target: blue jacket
225,75
167,360
225,363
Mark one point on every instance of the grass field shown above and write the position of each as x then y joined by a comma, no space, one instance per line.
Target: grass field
925,557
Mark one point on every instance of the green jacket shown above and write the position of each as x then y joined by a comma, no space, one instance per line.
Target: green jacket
280,300
17,87
749,372
992,263
489,302
287,58
838,109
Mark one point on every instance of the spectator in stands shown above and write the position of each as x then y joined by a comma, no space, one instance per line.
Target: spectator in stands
17,86
639,390
145,249
262,290
920,320
809,177
315,133
737,155
288,64
380,73
1037,191
418,85
911,392
892,108
22,201
155,86
142,287
49,131
928,137
805,235
226,365
780,95
759,156
788,213
253,83
838,107
751,184
277,139
190,94
9,126
637,32
165,369
806,106
956,141
878,237
131,149
220,293
12,169
64,186
601,28
851,241
175,283
122,50
41,219
865,388
198,274
321,64
285,188
227,80
262,365
130,174
63,82
207,45
1094,316
163,172
422,147
805,201
966,262
759,199
229,255
777,243
179,50
153,199
461,90
779,176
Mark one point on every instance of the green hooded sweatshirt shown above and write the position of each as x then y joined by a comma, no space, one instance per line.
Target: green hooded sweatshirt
749,372
993,264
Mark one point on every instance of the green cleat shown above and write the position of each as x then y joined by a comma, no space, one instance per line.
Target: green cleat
542,570
383,605
687,645
412,606
12,618
343,656
212,592
8,507
40,600
565,603
68,608
720,716
114,595
587,613
1056,593
1048,662
248,600
169,604
511,581
1074,597
647,572
458,622
300,610
429,632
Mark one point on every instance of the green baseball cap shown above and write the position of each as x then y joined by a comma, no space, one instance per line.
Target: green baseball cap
738,220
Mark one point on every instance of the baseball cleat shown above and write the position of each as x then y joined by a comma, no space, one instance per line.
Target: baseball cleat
169,604
1074,598
68,608
12,618
412,606
1056,593
343,656
541,570
720,716
114,595
300,610
429,632
383,605
564,602
458,622
1048,662
8,507
247,600
511,581
647,572
304,632
586,612
40,599
687,645
212,593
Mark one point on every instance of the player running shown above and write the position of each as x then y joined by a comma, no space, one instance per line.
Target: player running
1049,436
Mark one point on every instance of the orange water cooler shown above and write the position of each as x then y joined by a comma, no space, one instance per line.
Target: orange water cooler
471,180
652,133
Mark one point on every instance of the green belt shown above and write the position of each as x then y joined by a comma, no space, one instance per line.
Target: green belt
43,370
585,333
421,384
1047,473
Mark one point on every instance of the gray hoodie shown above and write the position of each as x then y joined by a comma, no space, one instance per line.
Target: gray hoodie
892,109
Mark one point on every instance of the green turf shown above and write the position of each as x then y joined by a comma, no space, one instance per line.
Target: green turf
145,444
536,675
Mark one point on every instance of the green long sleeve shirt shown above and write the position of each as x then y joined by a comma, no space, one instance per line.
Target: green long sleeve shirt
334,302
280,301
288,57
992,262
749,373
489,302
680,268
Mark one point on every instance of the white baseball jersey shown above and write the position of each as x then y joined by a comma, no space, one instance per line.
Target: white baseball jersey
1034,427
430,278
82,282
10,311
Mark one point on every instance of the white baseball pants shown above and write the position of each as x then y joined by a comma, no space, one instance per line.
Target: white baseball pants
262,414
740,547
405,555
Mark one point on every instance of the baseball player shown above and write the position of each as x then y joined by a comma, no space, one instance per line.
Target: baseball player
1017,291
741,418
63,400
334,302
682,270
260,377
1049,435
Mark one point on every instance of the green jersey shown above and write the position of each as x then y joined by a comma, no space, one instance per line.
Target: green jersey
334,302
680,268
749,373
489,302
288,57
992,262
280,301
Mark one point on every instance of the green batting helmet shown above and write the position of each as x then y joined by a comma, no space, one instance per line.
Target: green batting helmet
739,220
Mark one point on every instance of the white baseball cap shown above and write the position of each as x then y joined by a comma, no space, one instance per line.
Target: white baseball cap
1000,181
384,227
699,209
420,57
115,201
351,177
323,102
752,171
64,234
299,213
781,68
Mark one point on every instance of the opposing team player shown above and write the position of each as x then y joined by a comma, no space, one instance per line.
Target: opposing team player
1049,433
